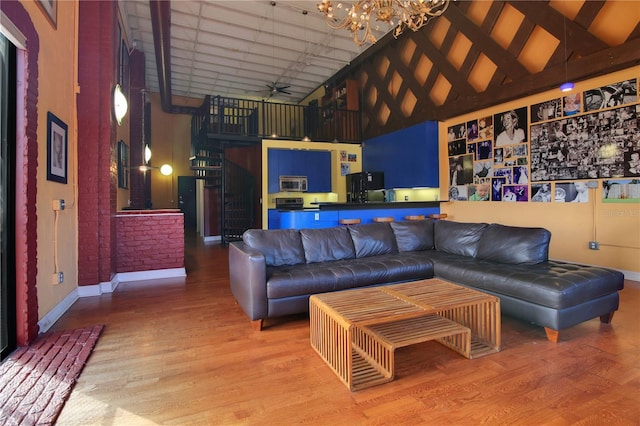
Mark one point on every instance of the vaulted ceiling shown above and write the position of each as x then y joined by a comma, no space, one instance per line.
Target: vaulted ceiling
479,53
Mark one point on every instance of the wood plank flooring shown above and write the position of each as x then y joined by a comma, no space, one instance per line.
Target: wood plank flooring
181,352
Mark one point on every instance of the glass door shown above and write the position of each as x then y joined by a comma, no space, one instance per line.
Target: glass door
7,199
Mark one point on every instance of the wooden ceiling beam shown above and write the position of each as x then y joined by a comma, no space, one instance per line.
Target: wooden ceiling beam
602,62
482,40
588,12
582,41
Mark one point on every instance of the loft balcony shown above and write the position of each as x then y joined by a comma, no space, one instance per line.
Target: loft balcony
242,121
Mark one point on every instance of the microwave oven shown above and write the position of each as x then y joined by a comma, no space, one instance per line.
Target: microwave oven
293,183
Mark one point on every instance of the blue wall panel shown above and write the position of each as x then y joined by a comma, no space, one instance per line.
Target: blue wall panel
408,157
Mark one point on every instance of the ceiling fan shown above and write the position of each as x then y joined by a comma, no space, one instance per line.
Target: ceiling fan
274,89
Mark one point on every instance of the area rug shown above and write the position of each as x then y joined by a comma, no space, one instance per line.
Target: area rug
36,380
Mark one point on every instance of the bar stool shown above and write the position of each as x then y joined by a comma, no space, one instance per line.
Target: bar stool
438,216
382,219
353,221
414,217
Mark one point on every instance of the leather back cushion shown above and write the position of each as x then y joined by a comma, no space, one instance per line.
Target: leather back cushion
458,237
413,235
279,246
515,245
373,239
325,244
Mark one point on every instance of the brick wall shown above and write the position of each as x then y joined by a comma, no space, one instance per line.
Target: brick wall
26,252
149,239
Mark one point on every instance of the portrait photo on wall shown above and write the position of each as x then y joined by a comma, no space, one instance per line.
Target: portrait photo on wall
485,128
520,150
632,163
482,170
498,155
471,149
621,191
504,172
461,170
518,193
574,192
479,192
590,146
508,153
546,110
472,130
521,175
616,94
572,104
496,188
484,150
458,131
457,147
541,192
510,127
458,193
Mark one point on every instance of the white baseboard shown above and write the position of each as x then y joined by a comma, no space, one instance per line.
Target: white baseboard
105,287
54,315
212,239
151,275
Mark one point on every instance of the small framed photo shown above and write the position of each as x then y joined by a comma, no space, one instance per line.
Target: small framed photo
50,9
56,149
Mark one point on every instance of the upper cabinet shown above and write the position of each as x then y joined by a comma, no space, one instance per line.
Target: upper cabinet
316,165
408,157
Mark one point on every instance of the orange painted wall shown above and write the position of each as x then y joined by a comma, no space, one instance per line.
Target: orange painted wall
615,226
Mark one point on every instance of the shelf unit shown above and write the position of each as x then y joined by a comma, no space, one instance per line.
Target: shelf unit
340,109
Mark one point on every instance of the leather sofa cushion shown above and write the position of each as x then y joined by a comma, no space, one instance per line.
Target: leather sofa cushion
458,237
313,278
326,244
373,239
515,245
413,235
279,246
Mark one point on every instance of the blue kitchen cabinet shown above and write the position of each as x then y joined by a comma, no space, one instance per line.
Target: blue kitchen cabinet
273,172
318,169
273,217
316,165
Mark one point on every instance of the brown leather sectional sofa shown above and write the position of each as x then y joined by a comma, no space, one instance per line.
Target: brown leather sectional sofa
273,272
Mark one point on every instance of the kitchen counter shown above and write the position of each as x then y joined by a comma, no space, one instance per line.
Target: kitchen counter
379,205
329,214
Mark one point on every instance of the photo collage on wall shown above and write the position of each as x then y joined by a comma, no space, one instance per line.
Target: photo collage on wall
517,155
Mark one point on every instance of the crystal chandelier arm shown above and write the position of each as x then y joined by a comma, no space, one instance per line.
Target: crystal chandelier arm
413,14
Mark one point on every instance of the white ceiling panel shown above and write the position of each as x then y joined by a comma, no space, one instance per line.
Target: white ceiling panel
236,48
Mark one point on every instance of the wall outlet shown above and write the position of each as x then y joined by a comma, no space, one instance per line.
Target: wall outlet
593,245
57,278
57,205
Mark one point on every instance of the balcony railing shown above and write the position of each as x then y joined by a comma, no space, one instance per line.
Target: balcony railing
242,118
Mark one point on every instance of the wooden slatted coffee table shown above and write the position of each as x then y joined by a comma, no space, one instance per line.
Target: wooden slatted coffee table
357,331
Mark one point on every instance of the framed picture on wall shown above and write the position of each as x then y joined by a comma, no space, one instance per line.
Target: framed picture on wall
123,165
50,9
56,149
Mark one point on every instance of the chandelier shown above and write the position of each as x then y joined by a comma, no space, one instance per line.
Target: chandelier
401,14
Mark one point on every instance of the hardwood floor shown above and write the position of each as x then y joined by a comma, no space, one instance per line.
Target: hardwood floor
180,351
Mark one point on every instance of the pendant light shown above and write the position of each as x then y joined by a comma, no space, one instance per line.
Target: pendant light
567,86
